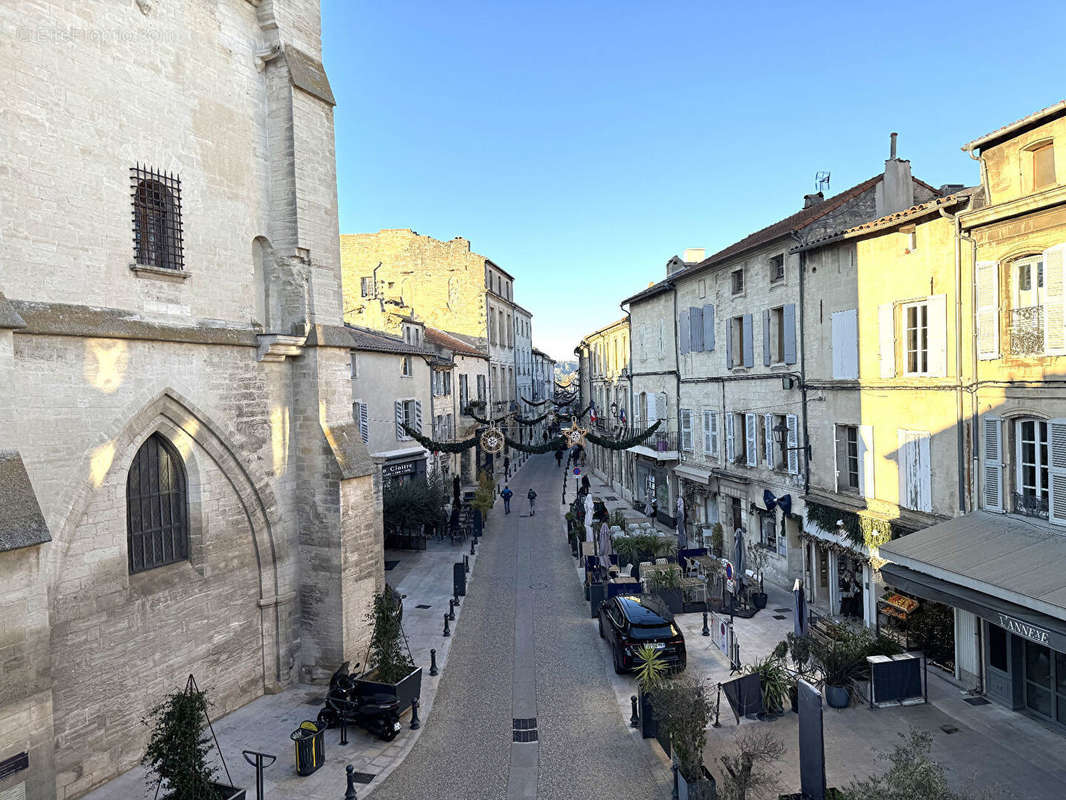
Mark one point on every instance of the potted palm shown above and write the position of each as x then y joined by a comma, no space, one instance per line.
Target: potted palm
839,661
176,756
389,668
650,672
774,680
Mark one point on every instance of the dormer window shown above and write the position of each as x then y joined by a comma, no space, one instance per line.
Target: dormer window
1043,166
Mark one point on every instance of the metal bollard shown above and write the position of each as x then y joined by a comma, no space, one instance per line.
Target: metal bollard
257,761
466,564
433,671
451,610
455,599
473,542
349,794
447,630
706,630
634,719
415,724
344,732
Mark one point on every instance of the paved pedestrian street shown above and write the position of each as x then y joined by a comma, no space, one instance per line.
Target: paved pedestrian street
523,650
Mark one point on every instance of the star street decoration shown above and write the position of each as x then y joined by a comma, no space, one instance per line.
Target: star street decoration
492,440
575,435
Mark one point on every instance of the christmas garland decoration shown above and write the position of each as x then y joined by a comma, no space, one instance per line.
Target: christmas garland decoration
505,417
540,403
441,447
623,444
558,443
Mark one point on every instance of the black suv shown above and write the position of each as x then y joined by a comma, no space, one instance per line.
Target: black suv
630,622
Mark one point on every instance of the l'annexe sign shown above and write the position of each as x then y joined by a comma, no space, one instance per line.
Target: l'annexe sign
1025,630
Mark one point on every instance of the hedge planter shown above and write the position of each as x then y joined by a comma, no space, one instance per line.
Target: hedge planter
649,727
758,599
837,696
703,789
673,598
405,690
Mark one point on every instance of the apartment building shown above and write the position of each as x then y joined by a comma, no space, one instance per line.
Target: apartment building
604,359
523,354
468,392
500,322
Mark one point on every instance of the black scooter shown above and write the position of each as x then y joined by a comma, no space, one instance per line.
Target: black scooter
378,713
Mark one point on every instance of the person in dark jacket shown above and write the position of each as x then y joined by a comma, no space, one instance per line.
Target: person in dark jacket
559,458
506,494
532,496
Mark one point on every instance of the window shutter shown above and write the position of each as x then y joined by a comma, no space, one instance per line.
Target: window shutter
768,439
925,495
683,332
730,442
707,433
729,343
686,429
708,327
987,309
866,460
903,461
938,332
418,416
836,458
1054,297
749,346
845,346
766,337
364,423
651,409
661,406
993,464
887,338
790,333
398,406
751,442
1057,448
695,324
793,441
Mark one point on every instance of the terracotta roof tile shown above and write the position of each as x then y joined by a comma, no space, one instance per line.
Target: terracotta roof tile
376,341
446,340
1012,126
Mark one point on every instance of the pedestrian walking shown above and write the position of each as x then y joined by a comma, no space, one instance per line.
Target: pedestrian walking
532,495
507,467
559,458
506,494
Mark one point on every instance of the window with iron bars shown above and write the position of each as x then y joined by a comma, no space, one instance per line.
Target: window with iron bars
157,235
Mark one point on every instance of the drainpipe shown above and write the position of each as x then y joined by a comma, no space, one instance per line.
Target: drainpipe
803,369
975,464
959,438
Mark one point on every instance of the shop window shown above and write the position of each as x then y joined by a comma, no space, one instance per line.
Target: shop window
997,647
1038,678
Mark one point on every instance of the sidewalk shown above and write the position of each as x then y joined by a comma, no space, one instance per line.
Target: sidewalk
265,724
980,745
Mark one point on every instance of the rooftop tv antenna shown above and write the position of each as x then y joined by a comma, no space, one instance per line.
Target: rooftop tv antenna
821,181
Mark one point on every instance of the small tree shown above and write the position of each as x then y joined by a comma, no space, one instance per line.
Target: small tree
748,767
388,656
176,756
485,495
717,539
683,709
758,557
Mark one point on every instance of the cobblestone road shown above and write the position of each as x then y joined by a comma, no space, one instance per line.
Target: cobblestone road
584,748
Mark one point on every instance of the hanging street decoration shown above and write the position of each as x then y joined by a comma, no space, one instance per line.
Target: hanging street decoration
575,436
440,447
537,403
492,440
623,444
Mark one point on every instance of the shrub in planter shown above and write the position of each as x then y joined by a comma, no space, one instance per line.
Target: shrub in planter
747,766
667,584
389,667
774,679
176,756
650,672
683,709
839,661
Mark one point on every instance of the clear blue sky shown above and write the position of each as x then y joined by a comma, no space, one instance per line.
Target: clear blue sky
579,145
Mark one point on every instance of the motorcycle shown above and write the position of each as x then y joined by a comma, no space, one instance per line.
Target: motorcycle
346,704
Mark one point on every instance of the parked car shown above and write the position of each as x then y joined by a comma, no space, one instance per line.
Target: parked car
629,622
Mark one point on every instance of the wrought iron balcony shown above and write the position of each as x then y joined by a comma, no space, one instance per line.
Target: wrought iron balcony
475,406
1026,330
1030,505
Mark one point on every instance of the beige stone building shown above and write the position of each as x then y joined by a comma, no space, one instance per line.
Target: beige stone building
603,357
184,489
469,393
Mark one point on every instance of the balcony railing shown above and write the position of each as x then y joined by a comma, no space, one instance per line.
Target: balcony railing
476,406
1030,506
1026,330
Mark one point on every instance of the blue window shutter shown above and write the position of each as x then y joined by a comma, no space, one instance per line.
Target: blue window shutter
790,333
683,333
695,324
766,338
708,327
746,338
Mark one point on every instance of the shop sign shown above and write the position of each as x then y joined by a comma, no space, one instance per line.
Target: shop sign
396,470
1024,629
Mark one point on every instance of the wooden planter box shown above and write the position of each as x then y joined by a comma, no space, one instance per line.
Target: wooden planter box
406,690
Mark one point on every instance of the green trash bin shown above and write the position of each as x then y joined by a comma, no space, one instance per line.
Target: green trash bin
310,750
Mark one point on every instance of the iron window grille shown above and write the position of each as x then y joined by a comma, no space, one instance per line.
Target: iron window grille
157,235
156,507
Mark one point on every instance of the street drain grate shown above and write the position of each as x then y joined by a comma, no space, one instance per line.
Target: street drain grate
525,729
423,605
363,777
949,729
610,497
975,701
782,610
779,616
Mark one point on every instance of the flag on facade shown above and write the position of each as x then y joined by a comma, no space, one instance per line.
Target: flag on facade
592,411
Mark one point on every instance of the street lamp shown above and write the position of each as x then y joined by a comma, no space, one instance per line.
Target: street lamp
780,432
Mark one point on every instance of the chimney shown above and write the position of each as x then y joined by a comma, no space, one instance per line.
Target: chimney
693,255
895,192
812,199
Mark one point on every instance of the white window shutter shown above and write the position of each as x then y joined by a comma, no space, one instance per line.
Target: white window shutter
400,434
751,441
793,442
987,309
729,344
1054,298
768,436
683,332
661,405
789,337
903,461
686,429
992,470
845,332
938,332
1057,459
714,433
925,475
866,461
364,423
730,441
418,416
707,433
887,339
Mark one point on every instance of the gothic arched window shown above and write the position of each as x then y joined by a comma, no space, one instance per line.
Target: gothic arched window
157,502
